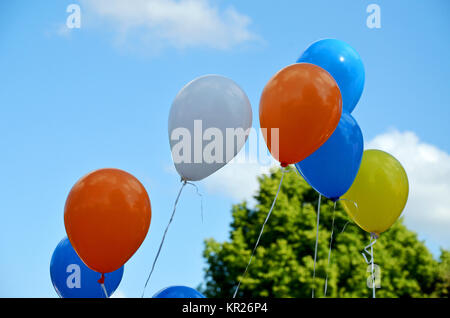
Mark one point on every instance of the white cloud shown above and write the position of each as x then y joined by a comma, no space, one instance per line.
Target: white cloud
63,30
183,23
118,294
238,179
58,29
428,209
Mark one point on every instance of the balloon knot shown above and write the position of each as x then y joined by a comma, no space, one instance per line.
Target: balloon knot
102,279
283,164
374,235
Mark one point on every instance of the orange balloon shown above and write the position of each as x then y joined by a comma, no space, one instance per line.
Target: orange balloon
304,102
107,216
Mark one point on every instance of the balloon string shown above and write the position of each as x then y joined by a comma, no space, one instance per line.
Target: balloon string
101,281
315,249
104,290
329,250
298,173
353,218
357,210
348,200
164,236
373,278
332,233
373,240
260,233
200,195
343,228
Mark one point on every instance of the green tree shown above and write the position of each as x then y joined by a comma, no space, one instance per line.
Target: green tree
283,263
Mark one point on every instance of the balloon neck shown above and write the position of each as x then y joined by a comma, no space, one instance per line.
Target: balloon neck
374,235
283,164
102,279
334,199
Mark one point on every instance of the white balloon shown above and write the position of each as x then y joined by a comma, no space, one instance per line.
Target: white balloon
209,123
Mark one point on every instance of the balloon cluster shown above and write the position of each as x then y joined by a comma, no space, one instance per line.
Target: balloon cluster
375,190
310,103
305,116
332,168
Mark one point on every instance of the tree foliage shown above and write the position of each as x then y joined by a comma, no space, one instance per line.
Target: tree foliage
283,263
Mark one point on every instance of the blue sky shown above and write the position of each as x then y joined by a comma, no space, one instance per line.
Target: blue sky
72,101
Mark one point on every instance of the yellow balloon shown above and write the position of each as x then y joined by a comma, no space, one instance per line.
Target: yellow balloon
380,191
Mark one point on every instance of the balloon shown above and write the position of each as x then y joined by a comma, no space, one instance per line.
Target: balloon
72,279
178,292
331,169
203,113
301,105
343,63
380,191
107,216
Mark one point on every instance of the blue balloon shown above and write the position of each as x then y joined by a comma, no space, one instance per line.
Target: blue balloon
71,278
332,168
343,63
178,292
